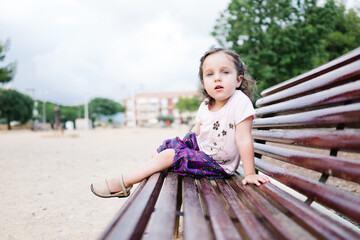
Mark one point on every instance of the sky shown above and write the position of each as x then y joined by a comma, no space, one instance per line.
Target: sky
70,51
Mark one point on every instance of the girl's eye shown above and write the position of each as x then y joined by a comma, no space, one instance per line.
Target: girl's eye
225,72
210,74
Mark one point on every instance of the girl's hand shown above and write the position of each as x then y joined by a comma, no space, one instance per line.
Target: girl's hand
255,179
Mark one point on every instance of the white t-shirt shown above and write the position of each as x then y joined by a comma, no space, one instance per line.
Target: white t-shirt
217,131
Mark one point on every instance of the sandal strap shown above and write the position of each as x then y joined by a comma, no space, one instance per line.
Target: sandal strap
121,180
107,189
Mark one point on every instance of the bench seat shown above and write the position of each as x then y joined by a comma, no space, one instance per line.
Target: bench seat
306,139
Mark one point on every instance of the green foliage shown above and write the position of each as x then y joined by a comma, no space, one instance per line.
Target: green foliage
7,72
104,106
346,34
49,111
283,38
97,106
187,104
69,113
15,106
163,118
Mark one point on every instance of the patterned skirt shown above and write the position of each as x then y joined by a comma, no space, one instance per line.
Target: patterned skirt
190,161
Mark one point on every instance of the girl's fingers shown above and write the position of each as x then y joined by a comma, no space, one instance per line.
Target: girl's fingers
257,180
264,180
244,182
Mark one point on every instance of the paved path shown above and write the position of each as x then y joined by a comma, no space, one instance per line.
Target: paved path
44,190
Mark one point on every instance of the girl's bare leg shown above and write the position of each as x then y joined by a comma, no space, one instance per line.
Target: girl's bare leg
157,163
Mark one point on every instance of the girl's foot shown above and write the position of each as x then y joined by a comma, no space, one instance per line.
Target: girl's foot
111,188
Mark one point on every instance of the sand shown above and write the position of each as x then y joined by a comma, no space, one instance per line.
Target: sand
45,179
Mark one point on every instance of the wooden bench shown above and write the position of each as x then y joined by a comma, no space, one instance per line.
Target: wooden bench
306,132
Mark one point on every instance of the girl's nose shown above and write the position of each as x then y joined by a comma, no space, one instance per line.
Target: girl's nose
217,77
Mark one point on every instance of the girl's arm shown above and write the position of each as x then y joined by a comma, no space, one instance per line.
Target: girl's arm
196,129
245,145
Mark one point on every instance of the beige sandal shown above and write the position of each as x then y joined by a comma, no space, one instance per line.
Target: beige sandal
101,189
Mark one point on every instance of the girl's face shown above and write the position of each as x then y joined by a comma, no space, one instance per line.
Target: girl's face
220,77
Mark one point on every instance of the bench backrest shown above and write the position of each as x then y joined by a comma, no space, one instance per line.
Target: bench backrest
307,135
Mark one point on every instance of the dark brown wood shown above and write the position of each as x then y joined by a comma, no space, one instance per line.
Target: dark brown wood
221,223
333,166
316,118
251,226
195,226
321,226
344,73
324,101
162,225
348,139
327,67
339,200
134,220
334,95
263,207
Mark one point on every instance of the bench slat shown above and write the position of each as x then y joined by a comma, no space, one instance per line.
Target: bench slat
324,117
338,94
222,225
327,67
324,226
251,226
348,139
347,72
334,166
134,220
123,209
195,226
320,225
163,222
341,201
264,207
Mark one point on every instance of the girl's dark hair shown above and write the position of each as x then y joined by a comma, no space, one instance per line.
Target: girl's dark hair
248,85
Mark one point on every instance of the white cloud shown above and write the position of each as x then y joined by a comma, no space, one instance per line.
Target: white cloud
71,48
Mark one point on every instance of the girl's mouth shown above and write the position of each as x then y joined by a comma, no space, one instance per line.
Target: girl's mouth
218,87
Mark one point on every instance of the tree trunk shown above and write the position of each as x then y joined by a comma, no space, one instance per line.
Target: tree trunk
8,123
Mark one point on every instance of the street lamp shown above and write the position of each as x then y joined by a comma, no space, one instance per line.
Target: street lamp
43,96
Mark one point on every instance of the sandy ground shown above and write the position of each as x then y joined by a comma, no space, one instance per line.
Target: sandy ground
44,190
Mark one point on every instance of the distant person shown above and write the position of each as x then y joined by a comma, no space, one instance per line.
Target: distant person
222,133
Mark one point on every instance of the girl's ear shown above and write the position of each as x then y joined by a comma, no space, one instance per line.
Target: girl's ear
239,80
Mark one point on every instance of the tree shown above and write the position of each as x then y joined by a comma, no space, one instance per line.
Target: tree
15,106
168,120
104,106
7,72
69,113
187,104
283,38
49,110
346,34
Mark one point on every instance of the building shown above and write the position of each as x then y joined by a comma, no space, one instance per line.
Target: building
144,109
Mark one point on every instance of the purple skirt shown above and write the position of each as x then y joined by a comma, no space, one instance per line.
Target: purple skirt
190,161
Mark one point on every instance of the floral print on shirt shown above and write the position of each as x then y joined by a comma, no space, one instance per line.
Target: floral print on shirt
216,125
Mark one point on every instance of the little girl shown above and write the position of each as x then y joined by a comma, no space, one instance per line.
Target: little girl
221,135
